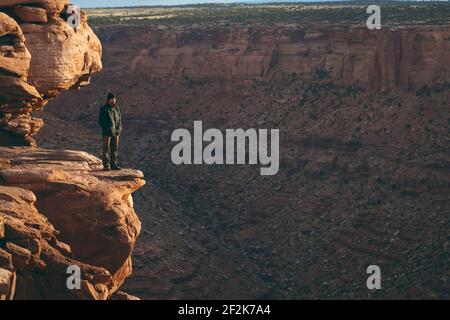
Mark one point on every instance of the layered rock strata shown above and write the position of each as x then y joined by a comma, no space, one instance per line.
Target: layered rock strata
58,209
391,58
40,55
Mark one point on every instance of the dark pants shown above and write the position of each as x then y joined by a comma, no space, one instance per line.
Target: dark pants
110,151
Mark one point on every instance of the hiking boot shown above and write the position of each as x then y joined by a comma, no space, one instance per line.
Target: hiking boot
106,168
116,168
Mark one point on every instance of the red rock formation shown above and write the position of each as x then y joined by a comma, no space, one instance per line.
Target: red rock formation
33,262
92,211
31,14
57,208
53,7
30,72
394,57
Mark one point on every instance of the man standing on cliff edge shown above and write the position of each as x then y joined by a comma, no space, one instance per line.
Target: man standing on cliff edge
110,119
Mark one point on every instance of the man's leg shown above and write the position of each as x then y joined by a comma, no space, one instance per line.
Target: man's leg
115,152
106,152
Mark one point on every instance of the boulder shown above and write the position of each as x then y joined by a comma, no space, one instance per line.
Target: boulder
14,56
21,257
31,14
91,209
52,7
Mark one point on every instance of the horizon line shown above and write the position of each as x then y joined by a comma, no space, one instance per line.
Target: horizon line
254,2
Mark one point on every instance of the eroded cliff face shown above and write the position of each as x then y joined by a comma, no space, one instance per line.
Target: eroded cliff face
57,208
393,57
32,259
40,55
50,198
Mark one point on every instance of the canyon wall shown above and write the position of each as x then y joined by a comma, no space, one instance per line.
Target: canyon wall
361,181
393,57
58,209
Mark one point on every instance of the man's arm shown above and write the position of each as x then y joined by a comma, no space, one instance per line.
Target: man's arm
120,119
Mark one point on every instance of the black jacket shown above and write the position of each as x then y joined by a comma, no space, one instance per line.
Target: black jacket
110,119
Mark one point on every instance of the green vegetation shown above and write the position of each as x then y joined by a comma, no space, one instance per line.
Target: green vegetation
394,13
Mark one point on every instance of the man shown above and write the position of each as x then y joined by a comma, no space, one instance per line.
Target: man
110,119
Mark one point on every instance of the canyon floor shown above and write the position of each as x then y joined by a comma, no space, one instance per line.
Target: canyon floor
364,180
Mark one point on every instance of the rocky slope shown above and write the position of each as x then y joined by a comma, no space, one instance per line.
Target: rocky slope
58,209
364,158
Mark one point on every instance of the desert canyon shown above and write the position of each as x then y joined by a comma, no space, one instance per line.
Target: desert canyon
364,168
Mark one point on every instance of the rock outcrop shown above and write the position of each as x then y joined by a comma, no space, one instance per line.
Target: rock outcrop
393,57
58,209
33,261
40,55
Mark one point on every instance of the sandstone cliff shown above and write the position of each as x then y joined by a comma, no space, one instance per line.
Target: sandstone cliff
40,55
57,208
88,209
393,57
